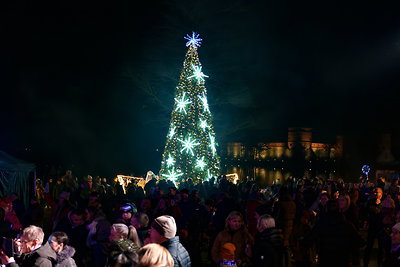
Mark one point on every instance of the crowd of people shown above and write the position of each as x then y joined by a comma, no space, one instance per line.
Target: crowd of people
300,222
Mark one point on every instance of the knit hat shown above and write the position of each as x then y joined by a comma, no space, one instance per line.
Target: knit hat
396,227
165,225
227,252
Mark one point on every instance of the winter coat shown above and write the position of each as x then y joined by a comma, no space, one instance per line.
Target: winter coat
336,238
44,256
64,258
178,252
268,248
393,259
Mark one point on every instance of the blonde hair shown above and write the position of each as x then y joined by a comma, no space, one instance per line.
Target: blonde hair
264,222
33,232
154,255
232,215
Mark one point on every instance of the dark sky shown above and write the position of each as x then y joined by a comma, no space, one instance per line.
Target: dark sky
91,84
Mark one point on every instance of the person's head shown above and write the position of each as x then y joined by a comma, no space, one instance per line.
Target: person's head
395,235
32,238
234,221
127,210
343,201
123,254
140,220
162,229
118,231
93,200
324,199
77,217
154,255
58,240
265,221
145,204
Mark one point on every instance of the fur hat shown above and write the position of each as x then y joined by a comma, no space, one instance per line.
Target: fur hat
165,225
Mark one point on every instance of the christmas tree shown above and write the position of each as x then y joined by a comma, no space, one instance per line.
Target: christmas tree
190,149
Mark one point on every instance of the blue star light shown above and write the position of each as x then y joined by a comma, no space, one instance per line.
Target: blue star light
212,144
193,40
172,175
203,99
170,161
172,132
188,145
200,163
198,74
181,103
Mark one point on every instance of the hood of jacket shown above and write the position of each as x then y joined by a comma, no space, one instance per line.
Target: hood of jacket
67,252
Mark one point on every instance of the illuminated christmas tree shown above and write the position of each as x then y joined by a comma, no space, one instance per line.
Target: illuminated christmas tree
190,150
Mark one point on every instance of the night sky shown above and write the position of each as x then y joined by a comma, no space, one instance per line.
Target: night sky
91,84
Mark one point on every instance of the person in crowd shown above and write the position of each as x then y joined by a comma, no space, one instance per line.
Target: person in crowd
394,258
227,255
154,255
32,252
59,243
9,218
335,237
319,208
375,224
75,228
139,224
235,232
59,208
163,231
119,242
268,247
126,212
98,236
302,254
34,214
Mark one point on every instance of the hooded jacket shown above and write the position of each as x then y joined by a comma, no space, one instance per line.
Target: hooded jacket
64,258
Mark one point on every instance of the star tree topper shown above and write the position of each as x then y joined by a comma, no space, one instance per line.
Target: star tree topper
193,40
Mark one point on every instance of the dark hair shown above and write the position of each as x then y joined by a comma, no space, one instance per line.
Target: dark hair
142,219
78,212
61,237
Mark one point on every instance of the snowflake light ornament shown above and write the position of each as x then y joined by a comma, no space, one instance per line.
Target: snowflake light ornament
193,40
198,74
181,103
172,175
212,144
170,161
203,99
203,124
200,163
172,132
188,145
